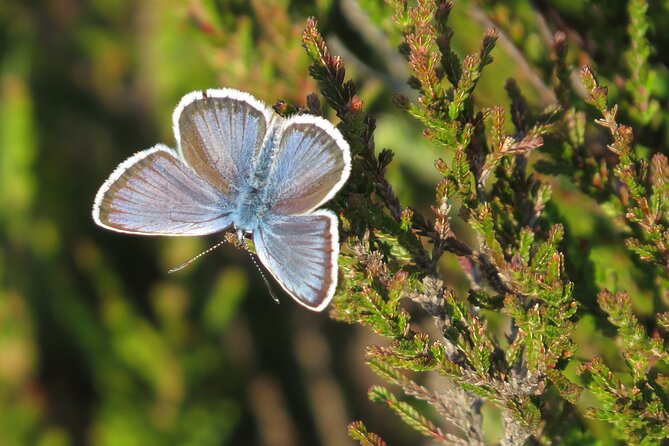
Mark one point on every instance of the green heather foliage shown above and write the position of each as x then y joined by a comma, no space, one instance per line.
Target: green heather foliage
504,269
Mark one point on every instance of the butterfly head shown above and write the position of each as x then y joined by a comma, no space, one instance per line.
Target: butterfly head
240,236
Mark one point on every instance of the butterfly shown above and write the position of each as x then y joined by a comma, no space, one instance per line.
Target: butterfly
239,165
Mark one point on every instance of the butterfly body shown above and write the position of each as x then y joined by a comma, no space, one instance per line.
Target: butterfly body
239,166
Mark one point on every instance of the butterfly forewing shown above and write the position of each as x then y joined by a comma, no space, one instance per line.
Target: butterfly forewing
220,133
301,253
154,193
312,163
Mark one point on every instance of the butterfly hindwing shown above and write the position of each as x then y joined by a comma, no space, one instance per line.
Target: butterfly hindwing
312,163
220,134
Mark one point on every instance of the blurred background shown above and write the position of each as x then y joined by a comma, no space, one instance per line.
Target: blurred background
98,344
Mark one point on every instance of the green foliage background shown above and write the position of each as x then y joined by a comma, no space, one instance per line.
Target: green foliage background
98,345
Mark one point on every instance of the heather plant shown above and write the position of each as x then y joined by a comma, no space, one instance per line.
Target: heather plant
514,251
505,239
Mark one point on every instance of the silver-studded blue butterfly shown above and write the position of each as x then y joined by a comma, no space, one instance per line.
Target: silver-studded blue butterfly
240,165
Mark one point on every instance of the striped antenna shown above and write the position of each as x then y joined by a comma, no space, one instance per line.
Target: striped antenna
262,274
242,242
188,262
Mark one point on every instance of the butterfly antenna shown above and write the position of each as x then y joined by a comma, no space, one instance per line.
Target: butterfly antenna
262,274
188,262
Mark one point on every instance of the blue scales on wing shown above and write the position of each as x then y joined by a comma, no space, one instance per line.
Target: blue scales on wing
220,134
154,193
312,163
301,253
192,191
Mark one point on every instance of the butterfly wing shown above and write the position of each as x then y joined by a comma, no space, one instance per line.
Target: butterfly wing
220,134
154,193
301,253
311,164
